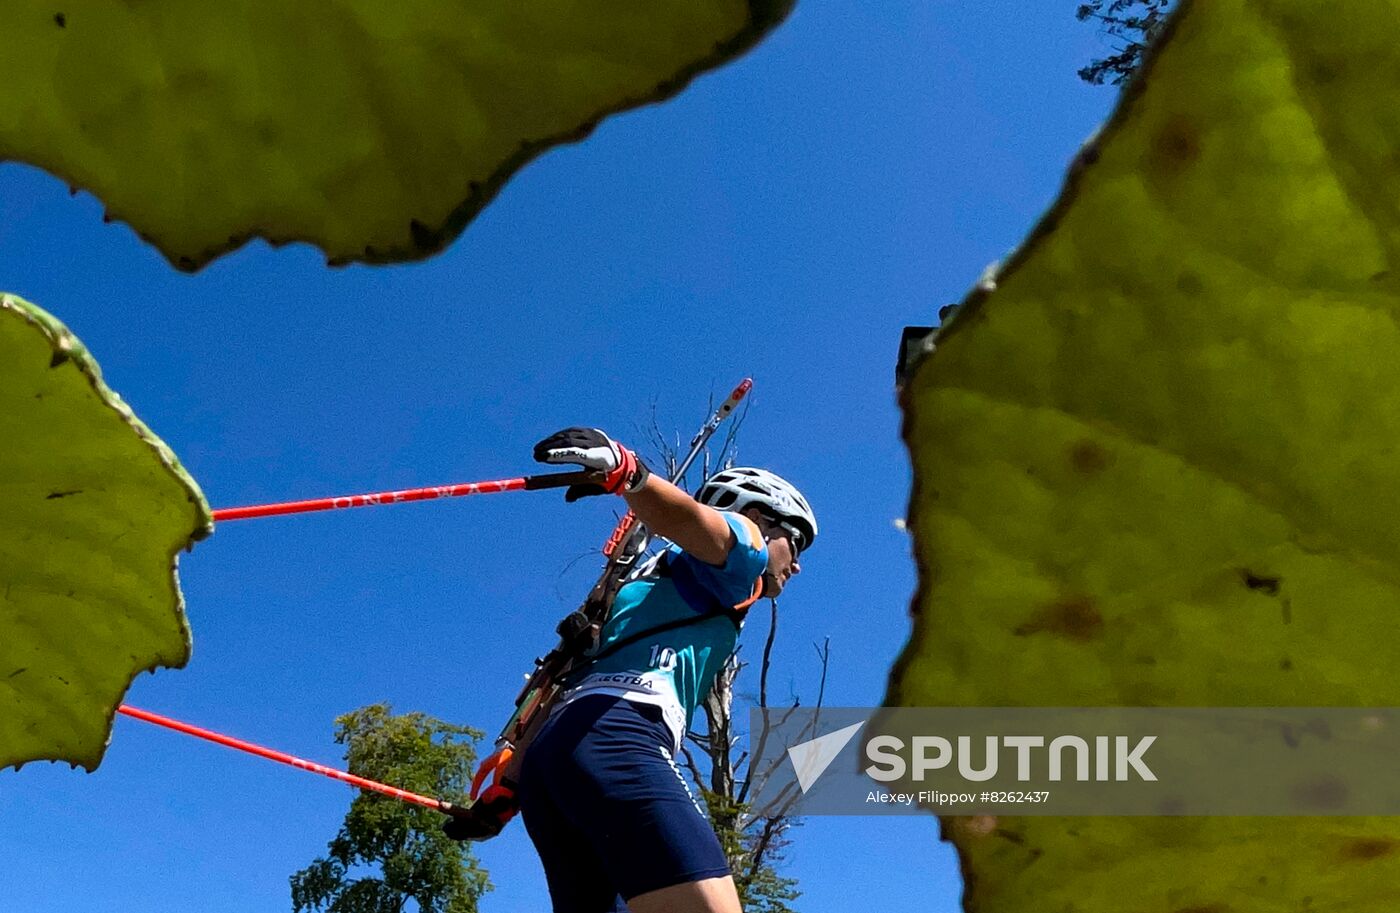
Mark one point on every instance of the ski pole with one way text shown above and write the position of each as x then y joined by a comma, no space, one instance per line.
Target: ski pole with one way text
460,490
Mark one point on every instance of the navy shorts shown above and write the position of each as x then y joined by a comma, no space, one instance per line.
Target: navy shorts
609,811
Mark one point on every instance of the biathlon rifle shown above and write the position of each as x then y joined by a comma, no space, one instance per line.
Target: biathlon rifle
493,806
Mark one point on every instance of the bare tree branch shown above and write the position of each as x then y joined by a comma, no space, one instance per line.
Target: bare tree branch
782,804
824,654
776,808
773,829
718,713
764,668
690,763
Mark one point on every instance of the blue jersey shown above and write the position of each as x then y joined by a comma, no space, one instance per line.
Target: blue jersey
675,668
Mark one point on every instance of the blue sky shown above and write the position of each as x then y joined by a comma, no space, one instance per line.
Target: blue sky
784,218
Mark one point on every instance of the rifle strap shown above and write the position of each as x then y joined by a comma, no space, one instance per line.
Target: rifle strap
664,570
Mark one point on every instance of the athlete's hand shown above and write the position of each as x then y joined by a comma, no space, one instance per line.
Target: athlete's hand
485,818
618,467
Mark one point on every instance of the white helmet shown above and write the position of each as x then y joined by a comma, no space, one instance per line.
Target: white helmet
740,487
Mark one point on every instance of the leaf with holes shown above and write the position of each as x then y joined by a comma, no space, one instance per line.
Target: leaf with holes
375,131
1156,458
94,509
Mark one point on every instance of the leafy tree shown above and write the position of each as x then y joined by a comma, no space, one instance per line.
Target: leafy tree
387,852
1134,23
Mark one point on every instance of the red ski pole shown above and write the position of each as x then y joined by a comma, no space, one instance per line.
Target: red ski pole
524,483
440,805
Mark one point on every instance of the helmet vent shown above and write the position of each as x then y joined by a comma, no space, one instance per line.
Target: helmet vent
725,499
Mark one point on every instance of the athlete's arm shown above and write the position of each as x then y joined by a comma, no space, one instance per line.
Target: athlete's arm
668,511
665,509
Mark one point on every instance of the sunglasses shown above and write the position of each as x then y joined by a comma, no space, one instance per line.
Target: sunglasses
794,534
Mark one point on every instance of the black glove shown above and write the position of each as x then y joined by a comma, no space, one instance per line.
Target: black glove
484,818
592,449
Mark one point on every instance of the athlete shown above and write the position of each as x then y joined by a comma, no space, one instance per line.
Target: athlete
614,822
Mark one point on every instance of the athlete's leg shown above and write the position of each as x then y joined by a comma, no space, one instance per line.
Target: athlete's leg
646,825
613,780
578,881
712,895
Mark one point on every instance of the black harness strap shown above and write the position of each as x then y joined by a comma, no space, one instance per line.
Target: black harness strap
664,570
667,626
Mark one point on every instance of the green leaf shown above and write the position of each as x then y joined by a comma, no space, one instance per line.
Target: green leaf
375,131
1156,460
93,511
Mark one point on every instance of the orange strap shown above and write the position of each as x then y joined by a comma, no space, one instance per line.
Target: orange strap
493,764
